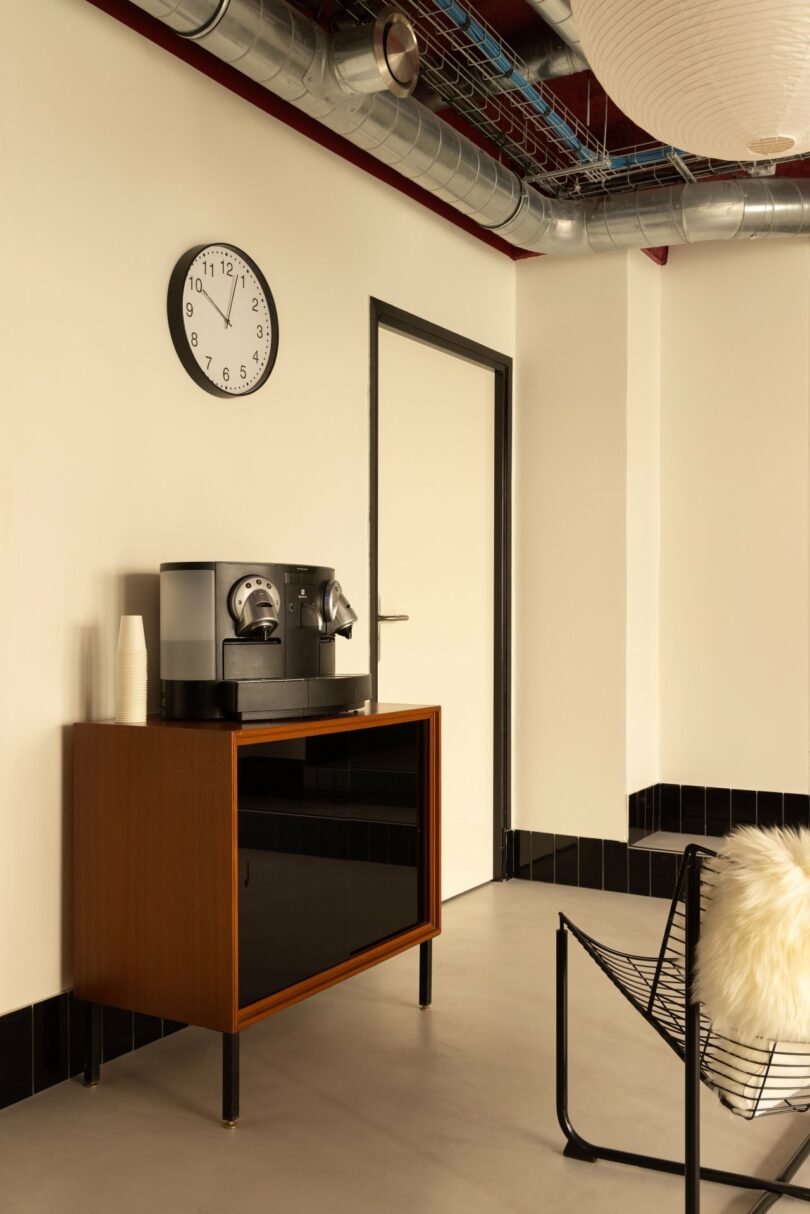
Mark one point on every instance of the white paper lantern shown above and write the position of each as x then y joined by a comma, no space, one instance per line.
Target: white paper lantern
722,78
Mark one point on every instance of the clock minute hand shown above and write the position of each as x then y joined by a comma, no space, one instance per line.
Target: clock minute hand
213,305
230,301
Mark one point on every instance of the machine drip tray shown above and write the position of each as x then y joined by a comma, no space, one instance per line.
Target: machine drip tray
271,699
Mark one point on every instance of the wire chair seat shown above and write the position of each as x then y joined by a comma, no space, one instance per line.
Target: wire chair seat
752,1079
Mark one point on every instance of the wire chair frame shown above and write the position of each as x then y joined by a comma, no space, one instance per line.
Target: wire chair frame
752,1079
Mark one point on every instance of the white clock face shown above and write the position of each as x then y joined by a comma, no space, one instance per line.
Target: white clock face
228,320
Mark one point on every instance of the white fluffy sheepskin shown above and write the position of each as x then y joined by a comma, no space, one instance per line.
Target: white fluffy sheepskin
753,963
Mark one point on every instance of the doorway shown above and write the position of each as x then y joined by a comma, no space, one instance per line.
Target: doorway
440,554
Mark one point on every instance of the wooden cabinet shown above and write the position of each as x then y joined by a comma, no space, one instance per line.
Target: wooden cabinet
225,871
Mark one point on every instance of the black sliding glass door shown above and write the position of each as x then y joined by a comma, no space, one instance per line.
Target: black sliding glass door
330,851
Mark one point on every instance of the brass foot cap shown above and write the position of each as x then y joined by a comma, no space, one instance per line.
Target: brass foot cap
229,1125
424,1007
93,1083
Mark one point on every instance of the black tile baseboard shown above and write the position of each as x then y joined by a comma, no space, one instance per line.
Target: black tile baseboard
44,1044
592,864
691,809
622,868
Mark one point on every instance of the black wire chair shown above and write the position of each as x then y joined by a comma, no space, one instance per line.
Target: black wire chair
752,1079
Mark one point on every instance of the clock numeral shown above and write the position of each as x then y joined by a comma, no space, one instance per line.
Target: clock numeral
206,267
255,356
194,339
243,372
189,309
227,268
259,331
255,306
207,358
226,375
195,283
243,279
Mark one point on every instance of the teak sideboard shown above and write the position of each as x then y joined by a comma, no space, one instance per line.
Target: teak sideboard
224,871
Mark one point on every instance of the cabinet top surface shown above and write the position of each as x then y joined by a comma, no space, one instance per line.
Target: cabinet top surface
255,731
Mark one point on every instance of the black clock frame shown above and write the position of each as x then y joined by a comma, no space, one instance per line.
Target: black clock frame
174,309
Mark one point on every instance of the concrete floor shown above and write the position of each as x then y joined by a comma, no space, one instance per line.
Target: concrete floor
356,1101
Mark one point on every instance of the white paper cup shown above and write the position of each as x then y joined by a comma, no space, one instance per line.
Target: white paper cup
130,672
130,634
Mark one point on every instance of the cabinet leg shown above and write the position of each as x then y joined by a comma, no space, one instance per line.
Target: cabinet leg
230,1079
92,1051
425,973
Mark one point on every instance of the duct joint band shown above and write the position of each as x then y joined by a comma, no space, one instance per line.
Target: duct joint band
212,22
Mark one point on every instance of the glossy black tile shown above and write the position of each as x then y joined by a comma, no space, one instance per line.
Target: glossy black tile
542,856
77,1027
635,818
639,871
16,1056
663,871
146,1029
116,1033
647,801
523,855
693,809
797,809
615,866
718,811
51,1042
656,812
769,808
510,854
743,807
670,807
590,863
566,860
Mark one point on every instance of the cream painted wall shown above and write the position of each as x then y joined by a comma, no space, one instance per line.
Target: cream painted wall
734,515
115,159
645,281
570,546
662,494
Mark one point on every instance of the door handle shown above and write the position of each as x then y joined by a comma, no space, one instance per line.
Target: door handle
391,618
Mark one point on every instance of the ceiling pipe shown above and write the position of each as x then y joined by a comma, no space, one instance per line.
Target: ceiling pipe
285,52
544,57
741,209
557,14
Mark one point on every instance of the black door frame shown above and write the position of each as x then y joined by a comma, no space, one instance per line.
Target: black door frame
386,316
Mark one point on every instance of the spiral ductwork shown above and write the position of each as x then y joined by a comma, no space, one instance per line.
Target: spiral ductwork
285,52
557,14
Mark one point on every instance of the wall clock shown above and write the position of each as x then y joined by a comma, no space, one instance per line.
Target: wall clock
222,319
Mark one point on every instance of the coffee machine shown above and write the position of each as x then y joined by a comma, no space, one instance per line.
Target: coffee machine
253,642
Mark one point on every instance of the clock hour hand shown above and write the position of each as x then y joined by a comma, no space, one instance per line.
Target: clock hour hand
213,305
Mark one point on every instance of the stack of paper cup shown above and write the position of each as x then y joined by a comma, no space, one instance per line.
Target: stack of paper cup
130,672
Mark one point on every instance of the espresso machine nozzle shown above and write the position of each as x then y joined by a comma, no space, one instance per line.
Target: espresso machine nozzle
338,613
254,604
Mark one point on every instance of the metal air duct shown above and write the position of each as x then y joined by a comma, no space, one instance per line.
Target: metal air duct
558,15
285,52
546,58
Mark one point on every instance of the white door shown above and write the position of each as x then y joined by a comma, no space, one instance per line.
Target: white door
436,559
